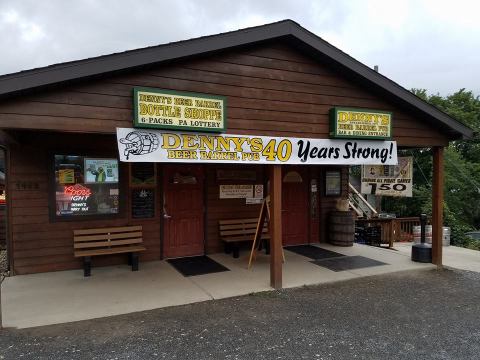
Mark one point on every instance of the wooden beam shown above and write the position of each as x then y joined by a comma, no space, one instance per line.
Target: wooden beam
6,138
437,205
276,226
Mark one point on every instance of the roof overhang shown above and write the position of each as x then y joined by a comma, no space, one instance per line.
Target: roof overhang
16,83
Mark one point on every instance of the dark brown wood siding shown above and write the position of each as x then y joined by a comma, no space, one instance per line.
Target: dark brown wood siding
41,243
271,90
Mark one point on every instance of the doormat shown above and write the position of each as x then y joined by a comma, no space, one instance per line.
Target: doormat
196,265
348,263
313,252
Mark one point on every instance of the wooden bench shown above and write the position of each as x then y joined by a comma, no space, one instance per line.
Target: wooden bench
107,241
235,231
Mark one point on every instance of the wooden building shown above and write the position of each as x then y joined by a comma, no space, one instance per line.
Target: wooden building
278,80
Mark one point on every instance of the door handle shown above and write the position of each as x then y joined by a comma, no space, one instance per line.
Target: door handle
166,216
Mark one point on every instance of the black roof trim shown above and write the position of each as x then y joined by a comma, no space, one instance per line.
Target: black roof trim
11,84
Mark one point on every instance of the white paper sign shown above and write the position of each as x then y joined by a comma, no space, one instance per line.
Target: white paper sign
142,145
389,180
258,192
236,191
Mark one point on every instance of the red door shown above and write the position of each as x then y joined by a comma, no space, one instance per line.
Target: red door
294,206
183,211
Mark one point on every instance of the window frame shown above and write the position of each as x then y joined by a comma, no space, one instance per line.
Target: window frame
338,171
122,188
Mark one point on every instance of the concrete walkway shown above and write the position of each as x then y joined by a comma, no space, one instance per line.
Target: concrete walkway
453,256
65,296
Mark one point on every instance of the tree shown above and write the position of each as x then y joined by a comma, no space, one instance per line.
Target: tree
462,171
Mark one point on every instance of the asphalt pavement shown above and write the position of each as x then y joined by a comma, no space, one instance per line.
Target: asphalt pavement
425,314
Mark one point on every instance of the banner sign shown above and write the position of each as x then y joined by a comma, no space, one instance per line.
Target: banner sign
166,109
360,124
136,145
388,180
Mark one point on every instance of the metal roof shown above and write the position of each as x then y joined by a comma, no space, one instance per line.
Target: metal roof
15,83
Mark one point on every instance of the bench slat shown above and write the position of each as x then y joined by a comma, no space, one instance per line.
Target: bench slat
238,221
107,230
116,250
244,238
124,235
239,226
242,231
97,244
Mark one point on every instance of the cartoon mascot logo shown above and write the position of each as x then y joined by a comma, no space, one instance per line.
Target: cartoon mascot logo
139,143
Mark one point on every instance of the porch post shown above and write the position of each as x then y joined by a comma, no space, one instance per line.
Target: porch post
437,205
276,226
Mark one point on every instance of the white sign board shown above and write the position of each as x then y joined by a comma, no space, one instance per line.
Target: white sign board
388,180
144,145
258,192
236,191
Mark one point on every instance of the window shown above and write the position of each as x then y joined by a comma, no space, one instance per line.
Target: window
86,186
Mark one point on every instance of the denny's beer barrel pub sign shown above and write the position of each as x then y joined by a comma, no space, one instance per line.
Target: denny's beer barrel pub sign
173,110
360,124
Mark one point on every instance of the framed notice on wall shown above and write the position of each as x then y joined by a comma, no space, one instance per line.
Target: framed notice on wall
143,203
333,183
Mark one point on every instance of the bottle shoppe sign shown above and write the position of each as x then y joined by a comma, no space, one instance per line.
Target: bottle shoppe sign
360,124
173,110
144,145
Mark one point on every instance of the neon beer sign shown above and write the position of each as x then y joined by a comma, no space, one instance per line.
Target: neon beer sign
79,195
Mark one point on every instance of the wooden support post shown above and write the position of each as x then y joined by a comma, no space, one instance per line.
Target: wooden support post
437,205
275,226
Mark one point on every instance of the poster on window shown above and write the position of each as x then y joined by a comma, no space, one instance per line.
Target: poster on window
101,171
388,180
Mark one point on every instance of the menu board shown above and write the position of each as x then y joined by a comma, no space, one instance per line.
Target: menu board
143,203
143,173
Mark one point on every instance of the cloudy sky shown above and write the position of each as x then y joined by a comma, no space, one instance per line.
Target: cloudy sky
431,44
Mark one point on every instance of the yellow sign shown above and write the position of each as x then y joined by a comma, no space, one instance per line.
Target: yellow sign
66,176
166,109
360,124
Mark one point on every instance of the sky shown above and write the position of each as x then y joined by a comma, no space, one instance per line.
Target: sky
426,44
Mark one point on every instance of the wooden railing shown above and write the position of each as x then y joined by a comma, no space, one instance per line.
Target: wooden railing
393,229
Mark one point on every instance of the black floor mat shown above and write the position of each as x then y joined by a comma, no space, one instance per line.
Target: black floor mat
313,252
348,263
196,265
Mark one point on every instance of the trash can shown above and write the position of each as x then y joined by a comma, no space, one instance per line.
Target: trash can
446,236
428,234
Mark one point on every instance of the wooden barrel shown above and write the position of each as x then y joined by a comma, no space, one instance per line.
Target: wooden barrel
341,228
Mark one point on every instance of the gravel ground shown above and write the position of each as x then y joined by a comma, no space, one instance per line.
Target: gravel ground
3,264
408,315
